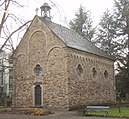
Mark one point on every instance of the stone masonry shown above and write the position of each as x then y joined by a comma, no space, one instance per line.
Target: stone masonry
85,89
69,77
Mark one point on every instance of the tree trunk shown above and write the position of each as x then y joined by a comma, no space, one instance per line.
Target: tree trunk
127,97
127,94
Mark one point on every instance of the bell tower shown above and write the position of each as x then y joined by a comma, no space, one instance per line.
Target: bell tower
45,11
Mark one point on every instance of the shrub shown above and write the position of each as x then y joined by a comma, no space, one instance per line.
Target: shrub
36,111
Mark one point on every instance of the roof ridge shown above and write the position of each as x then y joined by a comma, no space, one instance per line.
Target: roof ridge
74,40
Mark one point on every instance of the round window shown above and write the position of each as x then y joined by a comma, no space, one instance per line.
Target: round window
38,70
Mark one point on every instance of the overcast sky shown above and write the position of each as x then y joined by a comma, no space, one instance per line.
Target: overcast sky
63,10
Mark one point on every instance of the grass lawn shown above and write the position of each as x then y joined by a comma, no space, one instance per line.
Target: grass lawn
113,112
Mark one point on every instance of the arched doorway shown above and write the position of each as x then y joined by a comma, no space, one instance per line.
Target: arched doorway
38,96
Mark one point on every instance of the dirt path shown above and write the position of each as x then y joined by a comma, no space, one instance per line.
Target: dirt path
56,115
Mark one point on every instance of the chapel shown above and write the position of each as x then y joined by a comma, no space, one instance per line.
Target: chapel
57,68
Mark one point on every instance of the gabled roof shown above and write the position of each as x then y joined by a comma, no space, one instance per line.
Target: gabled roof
74,40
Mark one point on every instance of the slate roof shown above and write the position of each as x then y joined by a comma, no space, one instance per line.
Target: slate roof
74,40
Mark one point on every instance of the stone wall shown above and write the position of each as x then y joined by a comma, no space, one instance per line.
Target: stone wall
40,46
68,78
86,87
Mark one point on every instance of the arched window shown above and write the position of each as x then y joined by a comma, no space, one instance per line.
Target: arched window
105,74
38,70
94,73
79,70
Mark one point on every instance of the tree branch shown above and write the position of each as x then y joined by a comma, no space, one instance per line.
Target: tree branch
16,3
2,3
12,34
4,17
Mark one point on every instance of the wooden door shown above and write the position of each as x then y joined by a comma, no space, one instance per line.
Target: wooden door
37,95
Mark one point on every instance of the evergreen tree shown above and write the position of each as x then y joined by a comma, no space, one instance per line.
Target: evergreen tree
121,14
82,23
105,39
113,37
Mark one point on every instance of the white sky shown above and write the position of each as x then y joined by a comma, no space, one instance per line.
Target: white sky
65,9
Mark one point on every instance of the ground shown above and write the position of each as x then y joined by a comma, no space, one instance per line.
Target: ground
56,115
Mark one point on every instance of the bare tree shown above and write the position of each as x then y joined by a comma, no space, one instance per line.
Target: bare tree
10,23
11,27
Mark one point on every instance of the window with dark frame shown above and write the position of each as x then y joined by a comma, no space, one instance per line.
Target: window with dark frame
79,70
94,73
105,74
38,70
